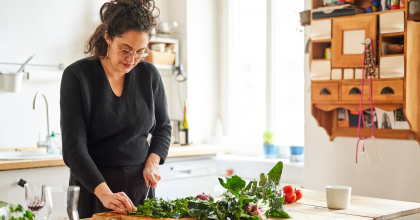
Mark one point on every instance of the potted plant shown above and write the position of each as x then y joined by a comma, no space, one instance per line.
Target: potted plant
270,150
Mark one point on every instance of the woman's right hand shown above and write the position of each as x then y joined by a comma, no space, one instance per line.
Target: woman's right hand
118,202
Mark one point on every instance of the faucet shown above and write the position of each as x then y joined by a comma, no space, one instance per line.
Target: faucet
46,143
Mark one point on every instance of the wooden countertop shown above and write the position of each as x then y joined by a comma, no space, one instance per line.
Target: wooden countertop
174,151
313,206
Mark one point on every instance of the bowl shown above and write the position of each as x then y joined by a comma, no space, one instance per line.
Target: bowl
395,49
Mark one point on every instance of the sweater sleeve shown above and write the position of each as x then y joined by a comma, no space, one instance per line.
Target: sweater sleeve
161,134
74,128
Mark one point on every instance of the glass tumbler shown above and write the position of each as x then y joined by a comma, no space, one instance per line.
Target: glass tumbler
62,202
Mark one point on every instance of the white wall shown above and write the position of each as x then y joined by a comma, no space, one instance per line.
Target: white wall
396,176
56,32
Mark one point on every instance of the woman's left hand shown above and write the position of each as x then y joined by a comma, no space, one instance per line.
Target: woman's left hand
151,170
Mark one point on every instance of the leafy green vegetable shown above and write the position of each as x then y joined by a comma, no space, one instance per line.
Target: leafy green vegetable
275,173
242,201
233,185
263,179
16,212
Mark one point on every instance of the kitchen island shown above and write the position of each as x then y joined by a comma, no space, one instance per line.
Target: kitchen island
313,206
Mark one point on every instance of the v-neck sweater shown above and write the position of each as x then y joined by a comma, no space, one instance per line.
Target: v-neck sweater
100,129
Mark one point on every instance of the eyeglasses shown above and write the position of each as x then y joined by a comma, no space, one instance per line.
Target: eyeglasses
139,56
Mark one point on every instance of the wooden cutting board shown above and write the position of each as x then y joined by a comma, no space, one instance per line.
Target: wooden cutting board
116,216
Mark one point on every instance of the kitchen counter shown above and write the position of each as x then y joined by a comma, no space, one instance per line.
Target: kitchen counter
313,205
174,151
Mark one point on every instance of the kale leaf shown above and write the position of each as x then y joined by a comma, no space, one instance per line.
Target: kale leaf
233,185
275,173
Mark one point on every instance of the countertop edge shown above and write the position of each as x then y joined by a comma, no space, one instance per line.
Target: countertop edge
173,152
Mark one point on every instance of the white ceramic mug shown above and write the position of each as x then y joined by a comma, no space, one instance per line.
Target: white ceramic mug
338,197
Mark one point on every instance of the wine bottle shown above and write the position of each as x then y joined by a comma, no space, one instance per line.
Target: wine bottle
184,129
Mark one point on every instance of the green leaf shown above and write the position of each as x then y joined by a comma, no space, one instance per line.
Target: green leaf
233,185
263,179
248,187
281,214
275,173
28,214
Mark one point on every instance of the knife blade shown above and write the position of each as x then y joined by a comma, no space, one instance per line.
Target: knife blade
148,189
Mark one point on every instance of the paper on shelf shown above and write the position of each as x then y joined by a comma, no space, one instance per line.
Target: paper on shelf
358,73
392,22
392,67
386,119
336,74
353,42
348,73
320,70
321,30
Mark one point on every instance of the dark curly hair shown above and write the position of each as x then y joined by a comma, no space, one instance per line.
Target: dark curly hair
118,17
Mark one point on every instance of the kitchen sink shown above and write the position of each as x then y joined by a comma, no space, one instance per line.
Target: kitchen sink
27,155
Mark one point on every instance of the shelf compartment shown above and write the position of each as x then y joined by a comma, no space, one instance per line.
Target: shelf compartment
329,121
325,91
364,14
352,92
318,49
386,40
379,133
388,90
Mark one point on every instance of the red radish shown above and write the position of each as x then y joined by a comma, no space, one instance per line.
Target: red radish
203,196
249,207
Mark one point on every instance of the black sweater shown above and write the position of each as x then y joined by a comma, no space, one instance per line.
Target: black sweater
101,129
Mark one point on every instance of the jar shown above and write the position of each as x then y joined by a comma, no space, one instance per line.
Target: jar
414,10
328,53
395,4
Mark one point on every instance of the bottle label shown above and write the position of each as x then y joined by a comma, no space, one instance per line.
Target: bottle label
183,137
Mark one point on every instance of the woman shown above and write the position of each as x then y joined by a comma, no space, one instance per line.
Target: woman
110,103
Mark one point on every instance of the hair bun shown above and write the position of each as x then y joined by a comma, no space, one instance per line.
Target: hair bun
118,17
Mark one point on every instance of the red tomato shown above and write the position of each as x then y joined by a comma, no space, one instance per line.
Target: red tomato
299,194
288,190
290,199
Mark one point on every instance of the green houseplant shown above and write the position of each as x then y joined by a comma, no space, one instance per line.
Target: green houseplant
270,150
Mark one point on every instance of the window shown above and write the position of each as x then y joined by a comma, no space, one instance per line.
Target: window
247,72
289,75
248,76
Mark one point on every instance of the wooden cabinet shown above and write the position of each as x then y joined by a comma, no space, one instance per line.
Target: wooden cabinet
12,193
387,90
352,91
345,33
398,87
325,91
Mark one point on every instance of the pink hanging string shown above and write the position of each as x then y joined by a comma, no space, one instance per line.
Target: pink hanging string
361,99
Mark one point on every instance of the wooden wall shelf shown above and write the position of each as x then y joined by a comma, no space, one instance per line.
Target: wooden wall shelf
406,94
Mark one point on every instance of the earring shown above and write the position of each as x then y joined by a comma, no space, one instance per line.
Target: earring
107,51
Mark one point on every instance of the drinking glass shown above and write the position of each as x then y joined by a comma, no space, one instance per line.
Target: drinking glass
35,197
62,202
372,150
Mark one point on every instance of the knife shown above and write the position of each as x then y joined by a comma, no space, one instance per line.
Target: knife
148,189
